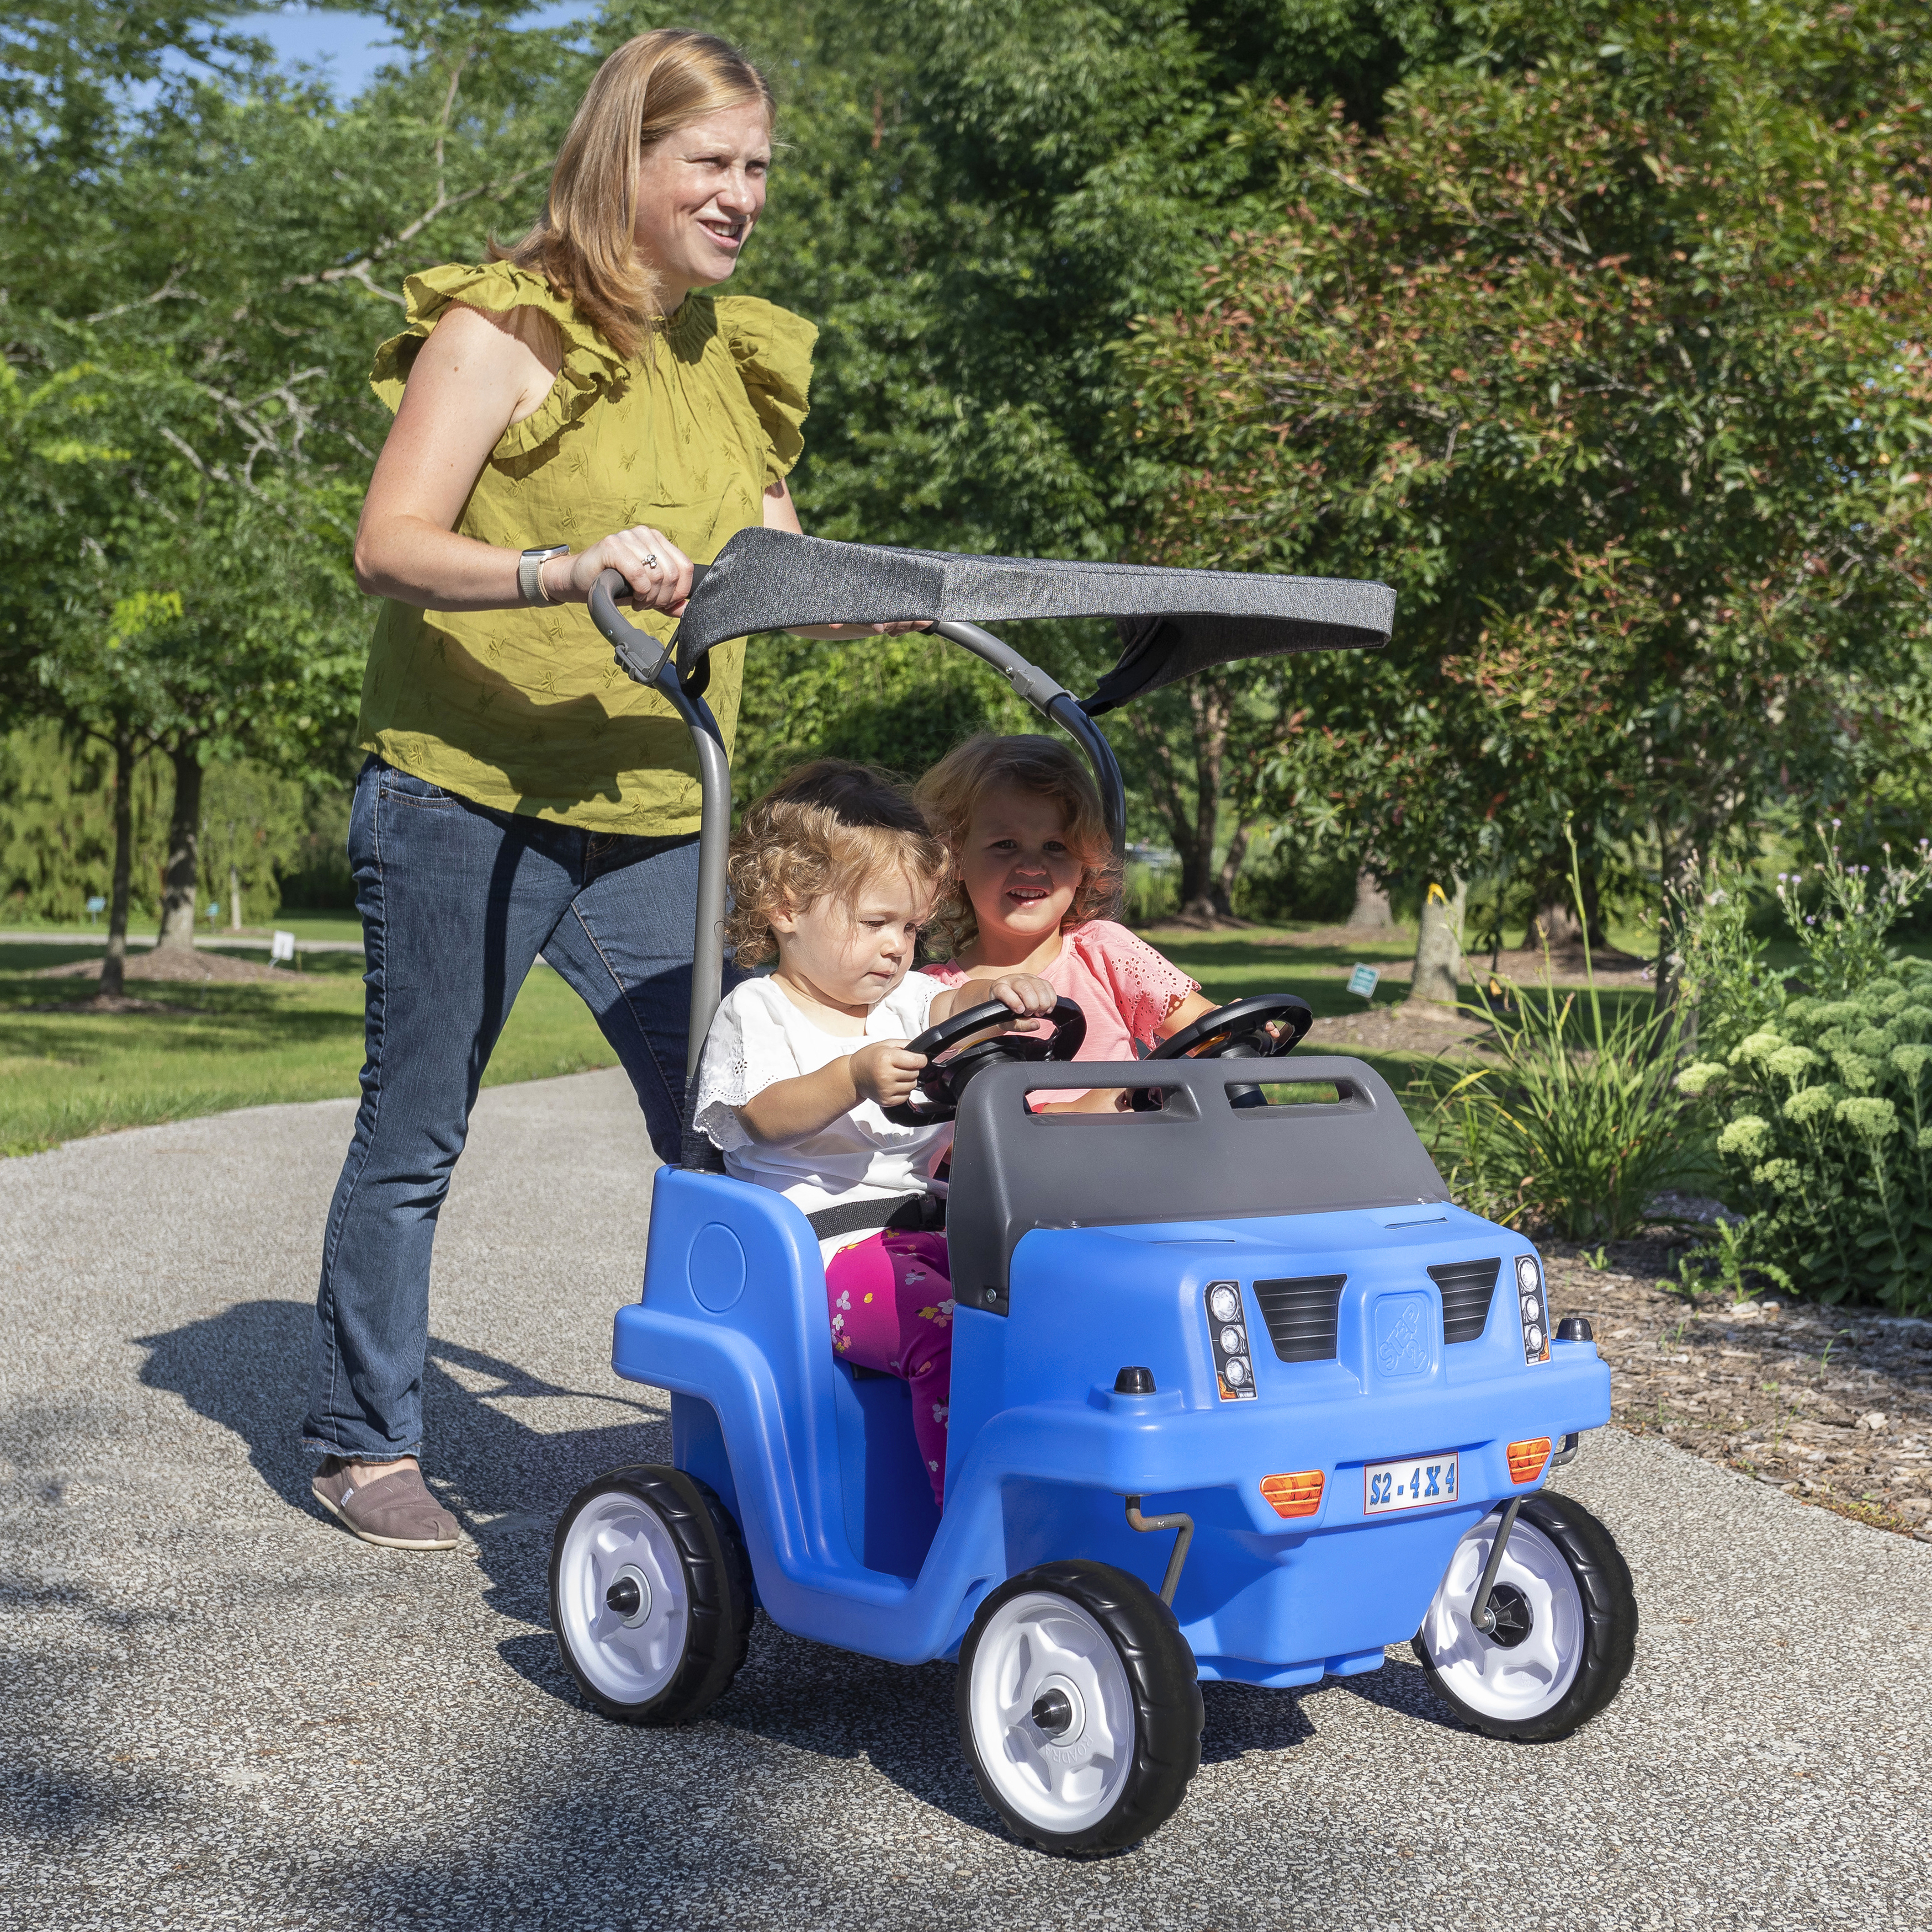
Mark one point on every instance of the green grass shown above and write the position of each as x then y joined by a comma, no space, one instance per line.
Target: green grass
64,1075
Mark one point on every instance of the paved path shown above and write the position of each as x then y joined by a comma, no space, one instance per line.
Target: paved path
217,1708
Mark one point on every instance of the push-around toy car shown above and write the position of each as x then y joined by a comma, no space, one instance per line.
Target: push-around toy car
1238,1393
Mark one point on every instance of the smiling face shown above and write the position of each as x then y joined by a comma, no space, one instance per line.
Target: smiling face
848,958
1018,871
700,192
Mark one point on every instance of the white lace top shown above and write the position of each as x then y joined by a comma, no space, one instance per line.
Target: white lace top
758,1037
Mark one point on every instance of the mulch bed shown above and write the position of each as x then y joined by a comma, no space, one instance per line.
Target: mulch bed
1833,1405
176,965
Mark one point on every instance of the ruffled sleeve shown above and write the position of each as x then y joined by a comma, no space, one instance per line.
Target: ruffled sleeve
1146,986
590,365
772,349
745,1051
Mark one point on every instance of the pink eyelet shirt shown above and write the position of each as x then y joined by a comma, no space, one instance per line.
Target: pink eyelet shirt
1122,985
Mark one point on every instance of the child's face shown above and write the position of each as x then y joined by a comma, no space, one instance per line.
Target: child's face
853,955
1016,868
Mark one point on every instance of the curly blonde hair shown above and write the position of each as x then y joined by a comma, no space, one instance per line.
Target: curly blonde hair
828,827
950,793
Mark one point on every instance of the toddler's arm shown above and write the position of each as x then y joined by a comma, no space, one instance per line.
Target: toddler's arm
791,1110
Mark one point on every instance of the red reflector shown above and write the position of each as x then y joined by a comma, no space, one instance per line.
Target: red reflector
1297,1496
1526,1459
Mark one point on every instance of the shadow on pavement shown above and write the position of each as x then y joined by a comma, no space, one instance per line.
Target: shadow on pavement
507,1483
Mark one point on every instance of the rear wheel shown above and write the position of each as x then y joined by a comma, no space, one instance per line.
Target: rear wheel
650,1594
1565,1630
1078,1708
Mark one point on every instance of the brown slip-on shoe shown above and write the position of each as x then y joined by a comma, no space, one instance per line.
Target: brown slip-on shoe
396,1510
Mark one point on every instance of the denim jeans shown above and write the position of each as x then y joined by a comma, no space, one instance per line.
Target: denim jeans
457,902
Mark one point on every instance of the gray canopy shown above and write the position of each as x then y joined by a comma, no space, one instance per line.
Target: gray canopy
1173,623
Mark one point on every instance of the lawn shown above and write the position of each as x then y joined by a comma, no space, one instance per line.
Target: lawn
67,1074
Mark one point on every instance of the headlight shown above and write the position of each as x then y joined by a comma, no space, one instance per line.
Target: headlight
1532,1309
1227,1337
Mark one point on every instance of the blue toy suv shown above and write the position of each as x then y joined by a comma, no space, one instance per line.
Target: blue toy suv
1237,1392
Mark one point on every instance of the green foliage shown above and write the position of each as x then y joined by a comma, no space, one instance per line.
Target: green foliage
1841,916
1607,352
1728,986
57,829
1578,1128
1728,1264
1826,1139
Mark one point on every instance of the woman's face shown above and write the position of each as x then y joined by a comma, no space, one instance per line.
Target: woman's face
700,192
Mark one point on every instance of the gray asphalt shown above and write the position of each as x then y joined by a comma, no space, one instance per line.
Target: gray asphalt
217,1708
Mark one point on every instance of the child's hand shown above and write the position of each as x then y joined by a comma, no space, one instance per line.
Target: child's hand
1029,997
885,1073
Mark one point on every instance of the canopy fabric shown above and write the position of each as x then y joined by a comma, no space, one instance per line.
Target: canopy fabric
1174,623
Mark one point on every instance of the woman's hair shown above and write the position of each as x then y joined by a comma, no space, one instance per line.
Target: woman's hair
831,828
950,792
585,243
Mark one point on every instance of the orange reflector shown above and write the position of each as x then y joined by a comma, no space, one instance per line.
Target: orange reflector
1297,1496
1526,1459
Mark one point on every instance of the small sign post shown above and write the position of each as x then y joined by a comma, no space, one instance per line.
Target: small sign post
95,907
1363,982
282,947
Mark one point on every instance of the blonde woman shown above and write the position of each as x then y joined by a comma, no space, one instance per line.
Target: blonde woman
582,402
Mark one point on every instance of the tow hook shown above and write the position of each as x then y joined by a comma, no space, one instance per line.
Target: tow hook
1482,1614
1184,1524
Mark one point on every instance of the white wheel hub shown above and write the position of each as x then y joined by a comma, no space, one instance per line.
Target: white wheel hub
1515,1681
1052,1712
621,1598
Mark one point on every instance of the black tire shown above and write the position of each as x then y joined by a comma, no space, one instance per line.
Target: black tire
1604,1640
1155,1681
700,1641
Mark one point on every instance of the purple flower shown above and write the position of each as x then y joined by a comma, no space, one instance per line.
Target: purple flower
1809,920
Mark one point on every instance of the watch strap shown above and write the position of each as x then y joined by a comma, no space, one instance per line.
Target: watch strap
529,572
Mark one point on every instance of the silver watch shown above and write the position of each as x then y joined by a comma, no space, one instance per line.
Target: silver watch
529,572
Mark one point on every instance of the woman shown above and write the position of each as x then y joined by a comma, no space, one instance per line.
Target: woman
581,403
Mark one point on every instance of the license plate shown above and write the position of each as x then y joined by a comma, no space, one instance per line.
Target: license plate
1414,1482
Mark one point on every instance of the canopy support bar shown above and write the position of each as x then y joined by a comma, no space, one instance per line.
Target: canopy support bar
1056,702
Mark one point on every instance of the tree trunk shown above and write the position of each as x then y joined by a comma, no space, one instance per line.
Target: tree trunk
1372,912
1437,978
234,900
182,878
113,967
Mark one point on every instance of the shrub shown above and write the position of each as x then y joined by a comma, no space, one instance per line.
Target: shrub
1826,1138
1578,1128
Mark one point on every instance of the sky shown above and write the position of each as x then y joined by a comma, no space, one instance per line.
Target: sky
351,46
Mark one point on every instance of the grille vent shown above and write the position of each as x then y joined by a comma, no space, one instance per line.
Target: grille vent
1300,1316
1468,1287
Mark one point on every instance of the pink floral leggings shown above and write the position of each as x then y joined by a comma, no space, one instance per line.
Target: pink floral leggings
891,1298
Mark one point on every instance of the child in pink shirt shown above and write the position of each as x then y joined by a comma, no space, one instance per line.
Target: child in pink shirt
1035,885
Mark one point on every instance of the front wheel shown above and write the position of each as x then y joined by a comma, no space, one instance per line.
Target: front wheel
1565,1630
1079,1707
650,1594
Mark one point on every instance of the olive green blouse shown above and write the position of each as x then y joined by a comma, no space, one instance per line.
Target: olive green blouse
524,709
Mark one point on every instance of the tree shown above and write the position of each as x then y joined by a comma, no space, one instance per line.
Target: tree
1614,366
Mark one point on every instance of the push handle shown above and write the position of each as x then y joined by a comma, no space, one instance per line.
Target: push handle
638,653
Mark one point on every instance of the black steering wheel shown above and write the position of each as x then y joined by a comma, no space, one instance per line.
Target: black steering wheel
1242,1030
942,1083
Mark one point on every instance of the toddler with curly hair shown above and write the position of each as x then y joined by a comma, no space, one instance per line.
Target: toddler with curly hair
834,873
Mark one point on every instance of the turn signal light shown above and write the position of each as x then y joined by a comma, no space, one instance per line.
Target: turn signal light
1297,1495
1526,1459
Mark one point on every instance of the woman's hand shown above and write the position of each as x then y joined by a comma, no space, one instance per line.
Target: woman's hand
657,570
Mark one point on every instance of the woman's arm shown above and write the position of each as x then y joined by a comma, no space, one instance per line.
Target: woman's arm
475,375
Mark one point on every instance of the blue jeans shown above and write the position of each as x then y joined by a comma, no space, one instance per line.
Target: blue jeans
457,902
